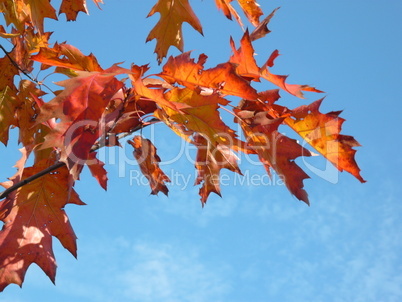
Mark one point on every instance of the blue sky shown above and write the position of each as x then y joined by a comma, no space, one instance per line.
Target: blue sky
257,243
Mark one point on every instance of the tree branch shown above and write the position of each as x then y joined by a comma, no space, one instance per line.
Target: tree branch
53,167
59,164
23,71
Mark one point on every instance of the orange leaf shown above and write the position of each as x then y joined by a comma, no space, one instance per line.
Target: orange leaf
7,73
168,30
228,10
274,149
221,79
72,7
97,170
252,10
156,95
27,111
8,105
15,12
209,162
67,56
202,114
247,67
244,58
280,80
145,154
38,10
32,216
322,131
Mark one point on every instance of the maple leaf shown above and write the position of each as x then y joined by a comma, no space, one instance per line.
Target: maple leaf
34,41
168,30
32,216
228,10
67,57
247,67
221,79
156,95
8,105
280,80
252,10
7,73
244,59
27,111
80,108
132,115
262,28
38,11
71,8
15,12
275,150
210,161
201,115
322,131
148,160
97,170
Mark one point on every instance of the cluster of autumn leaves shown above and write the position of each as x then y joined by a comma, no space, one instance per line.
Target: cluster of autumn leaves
94,109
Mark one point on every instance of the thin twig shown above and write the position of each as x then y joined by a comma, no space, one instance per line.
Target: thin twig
16,65
23,71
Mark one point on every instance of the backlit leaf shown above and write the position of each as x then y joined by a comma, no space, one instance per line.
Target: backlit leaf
168,30
322,131
34,214
148,160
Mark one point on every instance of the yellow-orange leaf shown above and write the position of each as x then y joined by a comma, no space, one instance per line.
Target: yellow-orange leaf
156,95
201,114
7,73
322,131
228,10
280,80
67,56
8,105
244,58
222,79
72,7
168,30
247,68
38,11
252,10
145,154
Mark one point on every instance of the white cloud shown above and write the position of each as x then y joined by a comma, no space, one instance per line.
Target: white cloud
163,272
144,271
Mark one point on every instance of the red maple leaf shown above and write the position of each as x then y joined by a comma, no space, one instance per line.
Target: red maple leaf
34,214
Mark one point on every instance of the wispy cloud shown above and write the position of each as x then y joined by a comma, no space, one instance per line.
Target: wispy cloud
145,271
163,272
